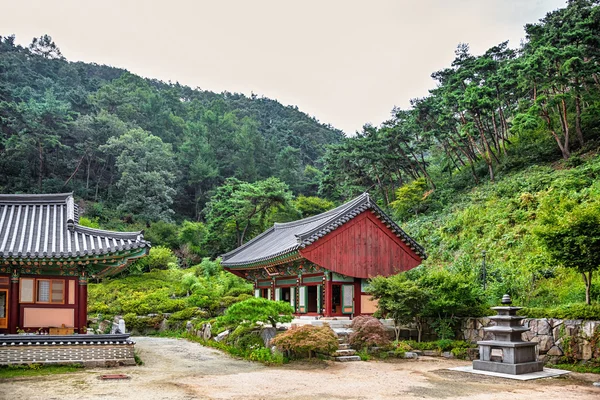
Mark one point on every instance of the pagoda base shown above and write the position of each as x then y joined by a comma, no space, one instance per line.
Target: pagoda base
512,369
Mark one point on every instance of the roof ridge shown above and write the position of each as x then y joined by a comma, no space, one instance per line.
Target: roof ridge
325,214
35,198
99,232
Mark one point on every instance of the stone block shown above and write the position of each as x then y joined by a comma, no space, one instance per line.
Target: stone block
543,327
556,332
586,350
554,351
589,327
545,343
572,327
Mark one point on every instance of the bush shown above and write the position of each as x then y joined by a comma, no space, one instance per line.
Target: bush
253,311
159,258
307,340
368,332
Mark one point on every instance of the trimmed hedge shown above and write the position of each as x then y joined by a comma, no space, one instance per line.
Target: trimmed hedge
568,311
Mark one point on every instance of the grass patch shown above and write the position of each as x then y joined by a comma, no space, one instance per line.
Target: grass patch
13,371
582,368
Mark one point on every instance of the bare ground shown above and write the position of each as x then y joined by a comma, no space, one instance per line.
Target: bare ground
178,369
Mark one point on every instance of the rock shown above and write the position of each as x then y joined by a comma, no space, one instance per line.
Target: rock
447,354
586,350
597,384
533,326
411,354
431,353
527,336
164,325
206,331
589,327
556,333
543,327
572,327
545,343
267,334
554,351
222,336
188,326
104,326
122,326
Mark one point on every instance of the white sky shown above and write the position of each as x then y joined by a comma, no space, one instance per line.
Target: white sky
344,62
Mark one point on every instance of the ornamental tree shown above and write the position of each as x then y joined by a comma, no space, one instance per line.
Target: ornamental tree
400,299
570,234
255,310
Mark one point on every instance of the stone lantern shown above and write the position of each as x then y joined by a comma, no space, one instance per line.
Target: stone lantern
507,353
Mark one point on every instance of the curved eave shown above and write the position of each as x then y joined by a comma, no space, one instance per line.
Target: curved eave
106,264
279,258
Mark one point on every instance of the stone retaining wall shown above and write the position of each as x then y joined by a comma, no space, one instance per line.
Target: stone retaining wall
572,339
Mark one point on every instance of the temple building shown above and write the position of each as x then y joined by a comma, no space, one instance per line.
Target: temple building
46,258
321,264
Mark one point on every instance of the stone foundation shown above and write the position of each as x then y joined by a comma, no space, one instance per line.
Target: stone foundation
92,351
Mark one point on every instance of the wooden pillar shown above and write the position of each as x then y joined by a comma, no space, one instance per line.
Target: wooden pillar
328,295
82,303
14,314
357,296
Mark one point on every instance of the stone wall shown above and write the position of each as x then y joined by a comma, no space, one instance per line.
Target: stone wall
575,340
91,354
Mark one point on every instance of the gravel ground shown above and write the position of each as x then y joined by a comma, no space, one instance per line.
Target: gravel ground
178,369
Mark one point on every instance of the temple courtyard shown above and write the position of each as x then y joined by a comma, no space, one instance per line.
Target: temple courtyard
178,369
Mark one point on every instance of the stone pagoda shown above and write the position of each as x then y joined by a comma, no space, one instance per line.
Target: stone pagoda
507,353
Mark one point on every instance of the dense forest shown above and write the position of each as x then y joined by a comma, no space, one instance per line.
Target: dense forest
501,156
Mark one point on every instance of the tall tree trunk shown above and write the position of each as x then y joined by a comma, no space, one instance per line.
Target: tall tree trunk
41,165
588,287
578,119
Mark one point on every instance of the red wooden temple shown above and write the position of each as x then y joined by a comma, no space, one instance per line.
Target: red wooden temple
46,258
321,264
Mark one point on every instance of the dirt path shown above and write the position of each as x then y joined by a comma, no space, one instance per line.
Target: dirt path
178,369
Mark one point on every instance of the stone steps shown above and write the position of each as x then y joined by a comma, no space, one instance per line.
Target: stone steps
344,352
347,358
344,346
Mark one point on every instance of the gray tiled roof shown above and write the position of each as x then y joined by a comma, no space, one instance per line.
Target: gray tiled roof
42,226
285,238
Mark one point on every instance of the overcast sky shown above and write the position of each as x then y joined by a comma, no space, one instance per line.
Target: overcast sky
344,62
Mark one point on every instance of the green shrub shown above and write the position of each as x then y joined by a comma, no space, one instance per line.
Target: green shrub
255,310
159,258
185,314
307,340
368,332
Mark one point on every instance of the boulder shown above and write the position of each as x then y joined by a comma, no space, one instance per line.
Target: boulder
221,336
267,334
206,331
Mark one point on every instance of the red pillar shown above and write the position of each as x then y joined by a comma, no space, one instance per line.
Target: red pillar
82,305
328,299
357,296
13,310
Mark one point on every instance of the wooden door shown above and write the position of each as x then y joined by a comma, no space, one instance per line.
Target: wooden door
347,299
3,308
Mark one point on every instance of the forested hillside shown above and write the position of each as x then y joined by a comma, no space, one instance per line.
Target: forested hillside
153,150
501,156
